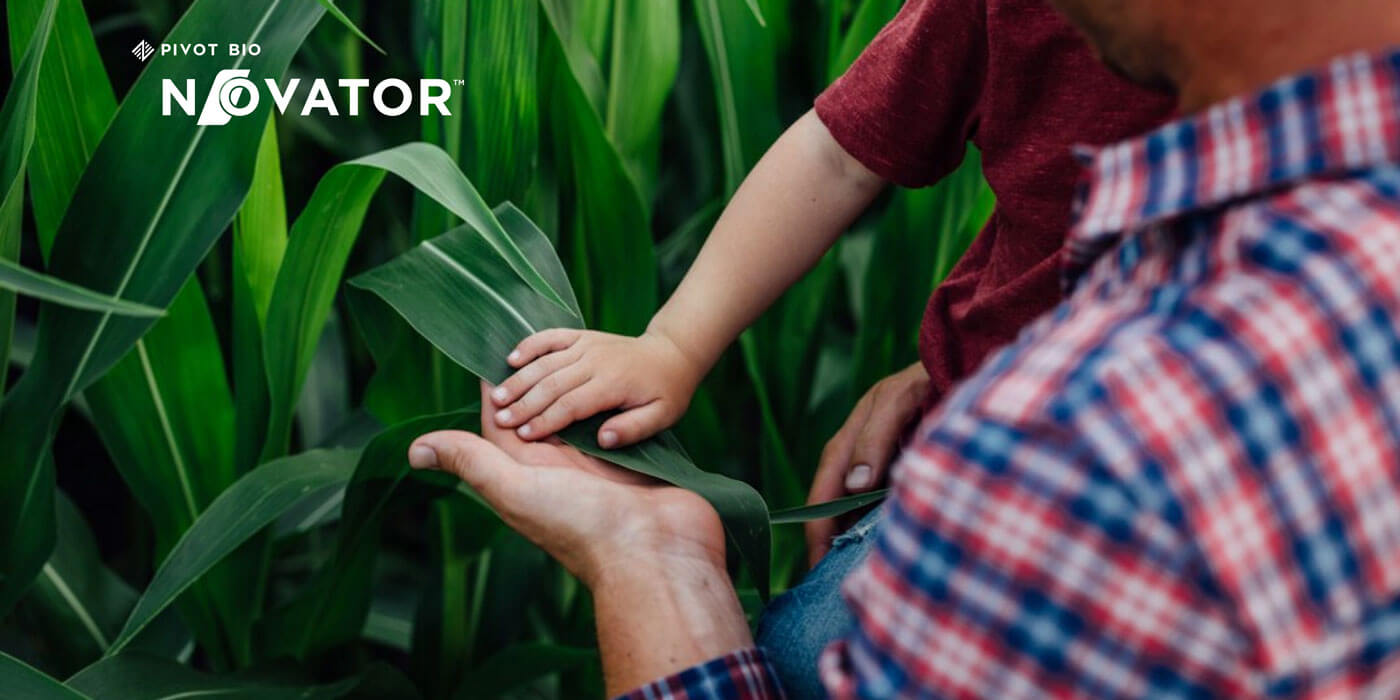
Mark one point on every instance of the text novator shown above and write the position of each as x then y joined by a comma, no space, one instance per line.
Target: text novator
233,94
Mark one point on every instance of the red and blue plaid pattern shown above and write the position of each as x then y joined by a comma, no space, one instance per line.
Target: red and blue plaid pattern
1185,481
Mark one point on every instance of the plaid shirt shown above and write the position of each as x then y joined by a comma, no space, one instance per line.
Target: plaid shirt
1185,481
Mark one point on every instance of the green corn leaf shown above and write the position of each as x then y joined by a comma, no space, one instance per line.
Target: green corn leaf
519,664
75,104
135,676
166,417
395,392
870,17
161,409
501,109
332,609
465,541
612,247
259,245
321,240
646,52
340,16
757,12
748,112
17,128
133,234
260,228
21,680
457,293
77,604
41,286
242,510
828,509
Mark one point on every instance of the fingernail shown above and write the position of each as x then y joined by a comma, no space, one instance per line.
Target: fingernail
607,439
860,477
422,457
512,357
524,430
499,393
503,415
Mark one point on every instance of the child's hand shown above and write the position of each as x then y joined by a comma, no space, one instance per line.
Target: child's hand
566,375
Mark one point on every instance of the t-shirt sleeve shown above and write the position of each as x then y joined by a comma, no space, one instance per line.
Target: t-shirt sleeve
908,105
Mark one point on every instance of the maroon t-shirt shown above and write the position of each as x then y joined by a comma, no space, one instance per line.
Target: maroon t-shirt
1014,78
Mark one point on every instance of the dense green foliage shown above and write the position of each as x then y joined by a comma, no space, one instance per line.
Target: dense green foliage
202,442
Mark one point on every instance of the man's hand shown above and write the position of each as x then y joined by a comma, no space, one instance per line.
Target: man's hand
564,375
857,457
652,554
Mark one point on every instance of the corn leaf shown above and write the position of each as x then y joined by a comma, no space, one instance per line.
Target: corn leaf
242,510
16,139
134,234
77,604
135,676
340,16
748,114
332,609
869,18
517,665
828,509
458,294
75,104
501,109
20,279
612,250
320,244
646,52
24,681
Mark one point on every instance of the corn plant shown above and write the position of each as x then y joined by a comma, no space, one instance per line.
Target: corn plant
225,338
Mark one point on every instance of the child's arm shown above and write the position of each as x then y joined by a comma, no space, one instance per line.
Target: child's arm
802,194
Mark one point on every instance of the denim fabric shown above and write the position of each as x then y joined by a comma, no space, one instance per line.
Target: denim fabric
798,624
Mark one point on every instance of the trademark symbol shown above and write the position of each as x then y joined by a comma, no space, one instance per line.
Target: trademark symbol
459,82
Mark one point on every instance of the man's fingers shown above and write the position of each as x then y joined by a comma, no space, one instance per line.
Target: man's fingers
542,343
542,395
634,425
874,448
487,469
516,385
827,485
819,534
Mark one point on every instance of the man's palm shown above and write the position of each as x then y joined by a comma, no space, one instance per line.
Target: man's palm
587,513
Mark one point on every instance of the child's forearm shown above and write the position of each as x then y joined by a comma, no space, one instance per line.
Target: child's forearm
803,193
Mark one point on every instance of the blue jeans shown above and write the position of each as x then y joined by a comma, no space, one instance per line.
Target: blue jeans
798,624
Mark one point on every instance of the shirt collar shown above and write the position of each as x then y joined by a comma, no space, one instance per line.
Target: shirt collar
1341,118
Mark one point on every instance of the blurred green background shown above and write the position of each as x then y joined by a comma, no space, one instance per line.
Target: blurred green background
620,127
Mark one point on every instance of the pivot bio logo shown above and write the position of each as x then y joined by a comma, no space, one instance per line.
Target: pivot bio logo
233,94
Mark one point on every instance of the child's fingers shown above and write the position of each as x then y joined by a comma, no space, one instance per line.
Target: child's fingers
542,395
590,398
634,425
528,376
542,343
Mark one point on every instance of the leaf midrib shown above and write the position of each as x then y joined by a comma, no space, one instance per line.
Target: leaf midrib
77,605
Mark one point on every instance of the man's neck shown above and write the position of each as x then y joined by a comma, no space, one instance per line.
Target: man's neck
1240,53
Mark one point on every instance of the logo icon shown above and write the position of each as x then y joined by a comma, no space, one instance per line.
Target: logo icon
224,97
143,50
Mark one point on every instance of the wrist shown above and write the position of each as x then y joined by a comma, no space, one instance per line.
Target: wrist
658,615
695,361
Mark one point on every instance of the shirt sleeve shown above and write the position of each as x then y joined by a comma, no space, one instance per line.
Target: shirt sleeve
908,105
1014,562
741,675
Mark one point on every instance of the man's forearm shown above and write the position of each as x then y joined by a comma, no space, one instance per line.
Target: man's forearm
800,196
660,616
